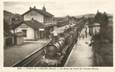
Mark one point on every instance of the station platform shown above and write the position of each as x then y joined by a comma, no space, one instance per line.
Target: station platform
17,53
81,54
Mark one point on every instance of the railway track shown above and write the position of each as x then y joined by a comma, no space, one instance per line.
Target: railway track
31,60
34,59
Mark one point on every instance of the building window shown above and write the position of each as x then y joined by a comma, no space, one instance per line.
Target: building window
25,32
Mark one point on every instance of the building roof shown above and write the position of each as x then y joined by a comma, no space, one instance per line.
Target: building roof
7,17
7,13
20,34
94,25
34,24
45,13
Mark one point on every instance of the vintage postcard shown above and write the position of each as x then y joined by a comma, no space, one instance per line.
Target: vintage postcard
57,35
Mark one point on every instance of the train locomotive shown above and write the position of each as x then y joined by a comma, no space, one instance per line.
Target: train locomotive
56,52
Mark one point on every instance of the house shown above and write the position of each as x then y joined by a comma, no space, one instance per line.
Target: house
32,29
36,23
94,28
40,15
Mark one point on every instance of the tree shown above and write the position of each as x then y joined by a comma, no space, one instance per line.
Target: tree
16,21
98,17
102,19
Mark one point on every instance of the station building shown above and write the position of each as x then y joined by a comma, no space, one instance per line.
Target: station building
36,23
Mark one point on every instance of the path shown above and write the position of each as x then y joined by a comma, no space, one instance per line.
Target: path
81,54
18,53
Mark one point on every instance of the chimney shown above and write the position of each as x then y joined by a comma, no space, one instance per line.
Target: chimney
44,9
34,7
32,18
30,7
97,11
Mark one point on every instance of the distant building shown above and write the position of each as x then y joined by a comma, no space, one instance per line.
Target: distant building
40,15
94,28
62,21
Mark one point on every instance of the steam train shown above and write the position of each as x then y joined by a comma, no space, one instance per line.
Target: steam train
57,51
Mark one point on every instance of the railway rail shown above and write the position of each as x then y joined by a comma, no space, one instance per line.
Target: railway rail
34,59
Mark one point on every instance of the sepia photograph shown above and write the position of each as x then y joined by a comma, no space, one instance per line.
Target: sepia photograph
58,33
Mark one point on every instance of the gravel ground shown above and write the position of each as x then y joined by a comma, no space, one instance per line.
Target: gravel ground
18,53
81,54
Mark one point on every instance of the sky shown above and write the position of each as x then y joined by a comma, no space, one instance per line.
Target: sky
62,7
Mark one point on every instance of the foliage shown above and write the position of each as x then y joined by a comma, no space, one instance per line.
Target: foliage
16,20
102,18
102,42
